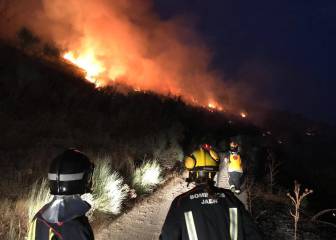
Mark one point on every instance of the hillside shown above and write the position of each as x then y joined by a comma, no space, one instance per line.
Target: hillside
47,99
46,105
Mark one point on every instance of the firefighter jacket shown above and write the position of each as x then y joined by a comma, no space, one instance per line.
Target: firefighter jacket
195,215
234,162
62,219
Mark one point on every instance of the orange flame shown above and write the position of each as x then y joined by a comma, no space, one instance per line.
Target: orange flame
243,114
89,63
125,41
212,106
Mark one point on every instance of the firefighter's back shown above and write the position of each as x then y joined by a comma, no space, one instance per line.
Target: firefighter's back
205,215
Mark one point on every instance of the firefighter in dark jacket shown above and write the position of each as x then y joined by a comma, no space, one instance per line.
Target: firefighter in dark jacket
207,212
70,175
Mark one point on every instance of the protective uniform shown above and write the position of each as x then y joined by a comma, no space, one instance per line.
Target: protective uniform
195,216
235,168
64,217
207,212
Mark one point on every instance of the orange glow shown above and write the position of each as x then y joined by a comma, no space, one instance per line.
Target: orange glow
89,63
212,106
243,114
126,42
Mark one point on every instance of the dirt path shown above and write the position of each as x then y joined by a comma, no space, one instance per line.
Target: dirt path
222,179
145,220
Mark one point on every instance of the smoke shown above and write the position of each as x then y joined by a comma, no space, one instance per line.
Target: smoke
125,41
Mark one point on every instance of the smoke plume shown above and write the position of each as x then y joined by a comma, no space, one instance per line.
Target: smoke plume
123,41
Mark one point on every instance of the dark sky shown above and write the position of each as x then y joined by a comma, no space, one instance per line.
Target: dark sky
284,49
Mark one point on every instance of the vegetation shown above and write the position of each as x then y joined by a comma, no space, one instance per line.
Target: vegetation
109,189
296,200
46,105
38,197
146,177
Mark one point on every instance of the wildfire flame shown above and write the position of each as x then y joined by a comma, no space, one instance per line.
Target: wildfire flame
124,41
214,106
95,69
211,106
243,114
89,63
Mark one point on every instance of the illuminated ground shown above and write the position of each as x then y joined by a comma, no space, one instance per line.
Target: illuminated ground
145,220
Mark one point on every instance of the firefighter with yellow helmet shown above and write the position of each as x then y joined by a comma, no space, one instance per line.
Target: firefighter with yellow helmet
235,167
207,212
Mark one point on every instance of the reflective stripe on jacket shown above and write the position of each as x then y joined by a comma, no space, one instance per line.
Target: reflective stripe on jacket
196,216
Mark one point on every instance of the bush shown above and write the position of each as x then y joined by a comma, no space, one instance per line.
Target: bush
146,177
109,190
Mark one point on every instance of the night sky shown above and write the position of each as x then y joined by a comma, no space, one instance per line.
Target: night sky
283,50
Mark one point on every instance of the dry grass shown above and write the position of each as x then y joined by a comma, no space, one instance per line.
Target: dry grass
147,177
17,215
109,189
38,197
13,219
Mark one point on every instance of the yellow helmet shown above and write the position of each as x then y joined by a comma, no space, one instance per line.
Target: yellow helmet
203,162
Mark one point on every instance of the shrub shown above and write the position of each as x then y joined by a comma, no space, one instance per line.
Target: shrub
109,190
146,177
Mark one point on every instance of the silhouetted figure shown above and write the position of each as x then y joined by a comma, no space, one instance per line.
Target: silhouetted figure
70,175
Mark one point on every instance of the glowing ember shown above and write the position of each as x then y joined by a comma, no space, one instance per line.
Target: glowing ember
212,106
89,63
243,114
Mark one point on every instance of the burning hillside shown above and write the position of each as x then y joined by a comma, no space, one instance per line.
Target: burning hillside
125,42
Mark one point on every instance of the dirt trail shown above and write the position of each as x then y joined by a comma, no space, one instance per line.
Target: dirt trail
145,220
223,182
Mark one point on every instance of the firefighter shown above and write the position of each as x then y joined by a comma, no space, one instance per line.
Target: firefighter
207,212
70,175
235,167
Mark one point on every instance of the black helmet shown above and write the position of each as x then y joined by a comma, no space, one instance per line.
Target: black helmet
70,173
